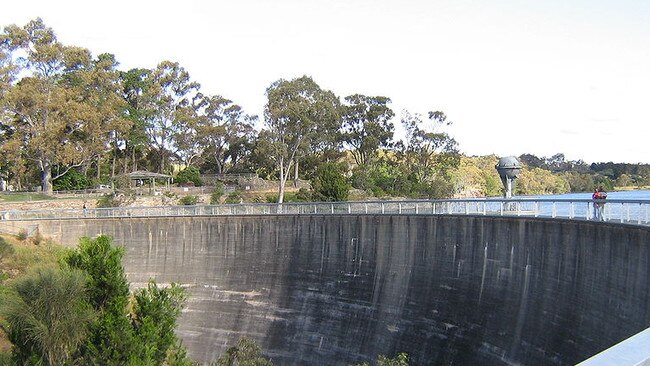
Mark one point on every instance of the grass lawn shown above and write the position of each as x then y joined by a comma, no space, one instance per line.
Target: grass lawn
21,197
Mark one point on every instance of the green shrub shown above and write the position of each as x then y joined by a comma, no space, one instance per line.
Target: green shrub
189,174
71,181
22,235
330,184
215,197
234,197
246,352
188,200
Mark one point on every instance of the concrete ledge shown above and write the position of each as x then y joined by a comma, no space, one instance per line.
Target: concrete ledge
634,351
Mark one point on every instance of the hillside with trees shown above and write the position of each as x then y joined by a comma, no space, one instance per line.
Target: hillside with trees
72,120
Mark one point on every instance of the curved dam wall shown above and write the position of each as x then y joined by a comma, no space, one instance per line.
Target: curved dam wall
339,290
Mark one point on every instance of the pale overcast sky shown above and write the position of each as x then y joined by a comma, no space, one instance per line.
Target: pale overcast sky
515,76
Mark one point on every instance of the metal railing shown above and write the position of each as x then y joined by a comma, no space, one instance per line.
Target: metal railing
623,211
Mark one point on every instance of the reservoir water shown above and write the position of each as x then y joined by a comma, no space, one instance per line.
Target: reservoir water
615,195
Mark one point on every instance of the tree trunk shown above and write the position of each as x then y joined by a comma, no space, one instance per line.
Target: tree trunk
295,175
99,169
162,161
282,183
113,166
135,163
46,178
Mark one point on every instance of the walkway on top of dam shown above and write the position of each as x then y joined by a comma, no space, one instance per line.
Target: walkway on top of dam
635,212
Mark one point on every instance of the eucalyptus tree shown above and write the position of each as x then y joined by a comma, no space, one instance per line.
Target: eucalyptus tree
169,98
367,126
223,134
47,118
298,115
8,72
8,68
428,150
60,106
97,85
132,145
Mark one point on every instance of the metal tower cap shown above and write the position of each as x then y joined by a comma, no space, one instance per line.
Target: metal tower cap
508,166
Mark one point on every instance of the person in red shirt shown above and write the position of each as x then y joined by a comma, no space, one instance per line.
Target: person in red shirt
599,203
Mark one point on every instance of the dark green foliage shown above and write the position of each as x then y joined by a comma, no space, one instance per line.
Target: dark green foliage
189,200
215,197
71,181
177,356
381,179
119,337
103,263
107,201
48,316
189,174
234,197
155,313
402,359
111,337
330,184
245,353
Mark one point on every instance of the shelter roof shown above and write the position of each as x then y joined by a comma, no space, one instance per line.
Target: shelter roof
142,174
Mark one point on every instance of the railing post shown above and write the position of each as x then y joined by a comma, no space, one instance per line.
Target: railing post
382,208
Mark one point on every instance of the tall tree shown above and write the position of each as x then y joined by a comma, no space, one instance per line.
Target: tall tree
49,115
135,142
221,133
428,150
170,100
367,126
98,86
298,115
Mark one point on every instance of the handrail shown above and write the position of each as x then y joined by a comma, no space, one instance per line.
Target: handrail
623,211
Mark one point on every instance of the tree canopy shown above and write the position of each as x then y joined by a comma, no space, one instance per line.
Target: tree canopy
73,120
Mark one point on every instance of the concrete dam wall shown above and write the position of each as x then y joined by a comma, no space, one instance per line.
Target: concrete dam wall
341,289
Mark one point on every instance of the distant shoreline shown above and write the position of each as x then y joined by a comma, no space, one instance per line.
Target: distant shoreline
632,188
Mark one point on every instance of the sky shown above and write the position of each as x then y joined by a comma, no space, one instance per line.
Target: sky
514,76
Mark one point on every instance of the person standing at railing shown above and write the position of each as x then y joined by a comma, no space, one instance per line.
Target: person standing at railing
599,197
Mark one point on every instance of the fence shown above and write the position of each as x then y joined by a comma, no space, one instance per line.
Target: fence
623,211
